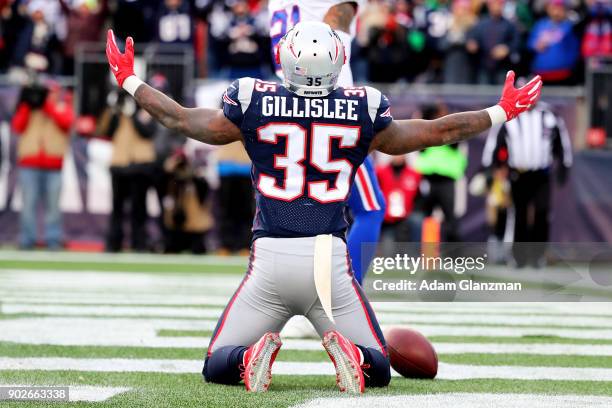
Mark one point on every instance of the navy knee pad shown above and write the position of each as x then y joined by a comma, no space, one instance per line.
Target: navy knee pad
377,372
222,366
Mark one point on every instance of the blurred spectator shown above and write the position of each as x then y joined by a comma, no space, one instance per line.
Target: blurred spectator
187,209
132,165
35,41
533,141
457,67
494,40
433,19
555,45
400,185
133,17
236,202
441,166
597,40
12,21
85,19
43,119
174,23
245,44
166,143
385,44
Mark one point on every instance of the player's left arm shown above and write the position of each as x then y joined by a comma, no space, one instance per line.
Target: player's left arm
404,136
205,125
340,16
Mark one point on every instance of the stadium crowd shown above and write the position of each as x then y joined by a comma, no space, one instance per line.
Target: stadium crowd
431,41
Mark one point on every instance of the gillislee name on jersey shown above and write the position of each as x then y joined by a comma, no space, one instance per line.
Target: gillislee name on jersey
310,108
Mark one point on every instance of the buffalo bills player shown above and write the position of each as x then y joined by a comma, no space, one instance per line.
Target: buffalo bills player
306,138
366,200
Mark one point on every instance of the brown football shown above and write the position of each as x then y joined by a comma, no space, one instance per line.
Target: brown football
411,354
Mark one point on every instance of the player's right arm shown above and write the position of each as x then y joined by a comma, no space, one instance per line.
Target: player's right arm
205,125
404,136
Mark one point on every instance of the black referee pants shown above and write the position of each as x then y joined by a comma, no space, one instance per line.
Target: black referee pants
531,197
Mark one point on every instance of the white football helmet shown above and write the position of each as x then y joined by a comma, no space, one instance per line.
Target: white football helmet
311,56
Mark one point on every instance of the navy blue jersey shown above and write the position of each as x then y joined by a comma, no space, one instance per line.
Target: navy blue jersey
305,152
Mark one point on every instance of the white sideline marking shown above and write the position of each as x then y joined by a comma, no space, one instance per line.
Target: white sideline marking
445,371
383,317
463,400
87,393
126,332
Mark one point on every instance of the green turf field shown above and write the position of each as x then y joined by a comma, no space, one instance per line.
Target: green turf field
131,331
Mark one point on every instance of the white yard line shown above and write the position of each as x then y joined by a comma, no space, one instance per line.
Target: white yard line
463,400
87,393
111,310
384,317
120,296
13,282
125,282
525,348
109,299
445,371
134,332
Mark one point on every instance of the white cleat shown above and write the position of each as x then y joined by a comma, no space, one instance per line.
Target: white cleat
345,356
258,360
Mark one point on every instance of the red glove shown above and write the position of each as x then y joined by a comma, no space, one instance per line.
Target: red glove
515,101
121,65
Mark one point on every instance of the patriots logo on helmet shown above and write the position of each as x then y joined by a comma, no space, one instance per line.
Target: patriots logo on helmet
386,114
229,100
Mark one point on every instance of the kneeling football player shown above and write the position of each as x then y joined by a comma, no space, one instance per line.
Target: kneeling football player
306,138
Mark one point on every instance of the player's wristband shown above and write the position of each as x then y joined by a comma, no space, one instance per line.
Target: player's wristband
131,84
496,113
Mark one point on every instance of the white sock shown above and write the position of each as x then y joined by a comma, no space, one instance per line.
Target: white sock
360,356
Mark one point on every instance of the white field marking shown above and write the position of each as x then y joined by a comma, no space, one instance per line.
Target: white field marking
525,348
123,258
102,332
87,393
94,283
70,310
463,400
401,309
445,371
384,317
116,300
125,332
569,308
127,282
406,317
16,280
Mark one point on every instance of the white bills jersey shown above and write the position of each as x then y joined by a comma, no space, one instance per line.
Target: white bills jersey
284,14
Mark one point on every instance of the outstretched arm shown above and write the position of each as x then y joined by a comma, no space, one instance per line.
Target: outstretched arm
340,16
205,125
403,136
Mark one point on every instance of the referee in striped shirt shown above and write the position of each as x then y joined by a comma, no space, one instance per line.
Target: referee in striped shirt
530,145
